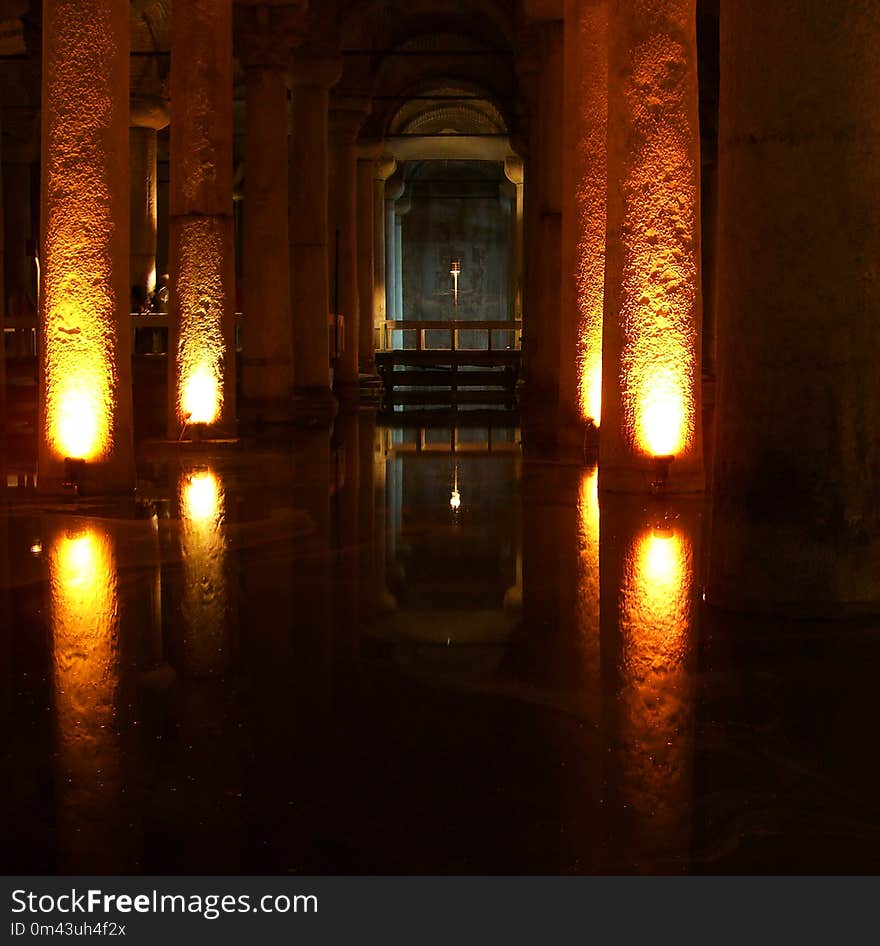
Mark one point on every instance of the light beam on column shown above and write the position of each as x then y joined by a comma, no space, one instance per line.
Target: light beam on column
85,338
652,319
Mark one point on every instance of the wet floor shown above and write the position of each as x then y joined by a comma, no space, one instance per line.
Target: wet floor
411,650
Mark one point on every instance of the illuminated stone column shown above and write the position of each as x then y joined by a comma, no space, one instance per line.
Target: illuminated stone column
651,332
85,337
514,171
201,338
543,233
584,183
346,117
384,168
148,117
796,502
368,152
311,77
267,361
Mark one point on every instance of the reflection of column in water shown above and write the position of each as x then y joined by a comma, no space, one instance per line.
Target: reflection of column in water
648,623
204,594
346,498
580,676
368,604
313,476
84,615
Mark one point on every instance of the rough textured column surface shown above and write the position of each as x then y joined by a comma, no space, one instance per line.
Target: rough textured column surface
796,497
585,185
148,117
651,330
267,362
541,325
85,341
202,323
309,279
346,117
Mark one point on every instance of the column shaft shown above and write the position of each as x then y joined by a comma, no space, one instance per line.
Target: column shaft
584,183
541,329
202,311
651,331
267,362
309,280
796,497
366,265
85,338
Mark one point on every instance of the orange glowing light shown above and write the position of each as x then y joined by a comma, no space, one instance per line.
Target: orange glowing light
84,616
662,413
200,397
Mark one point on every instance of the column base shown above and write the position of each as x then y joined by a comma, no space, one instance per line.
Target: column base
652,476
313,407
371,386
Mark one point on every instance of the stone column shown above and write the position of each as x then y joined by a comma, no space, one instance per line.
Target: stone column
651,403
201,338
384,168
401,208
393,192
346,117
584,183
148,117
368,152
311,77
796,498
85,337
541,327
267,342
514,170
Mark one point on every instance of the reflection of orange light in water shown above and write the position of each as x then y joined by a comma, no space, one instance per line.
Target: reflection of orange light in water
85,635
656,626
203,545
587,601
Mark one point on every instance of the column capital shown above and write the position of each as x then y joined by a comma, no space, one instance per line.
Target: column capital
313,70
394,186
385,167
268,32
149,112
514,169
347,115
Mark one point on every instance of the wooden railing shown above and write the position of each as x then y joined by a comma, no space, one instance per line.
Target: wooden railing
385,340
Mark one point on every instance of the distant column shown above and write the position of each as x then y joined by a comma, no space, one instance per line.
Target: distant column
85,338
267,345
346,117
311,77
384,168
515,173
367,248
148,118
